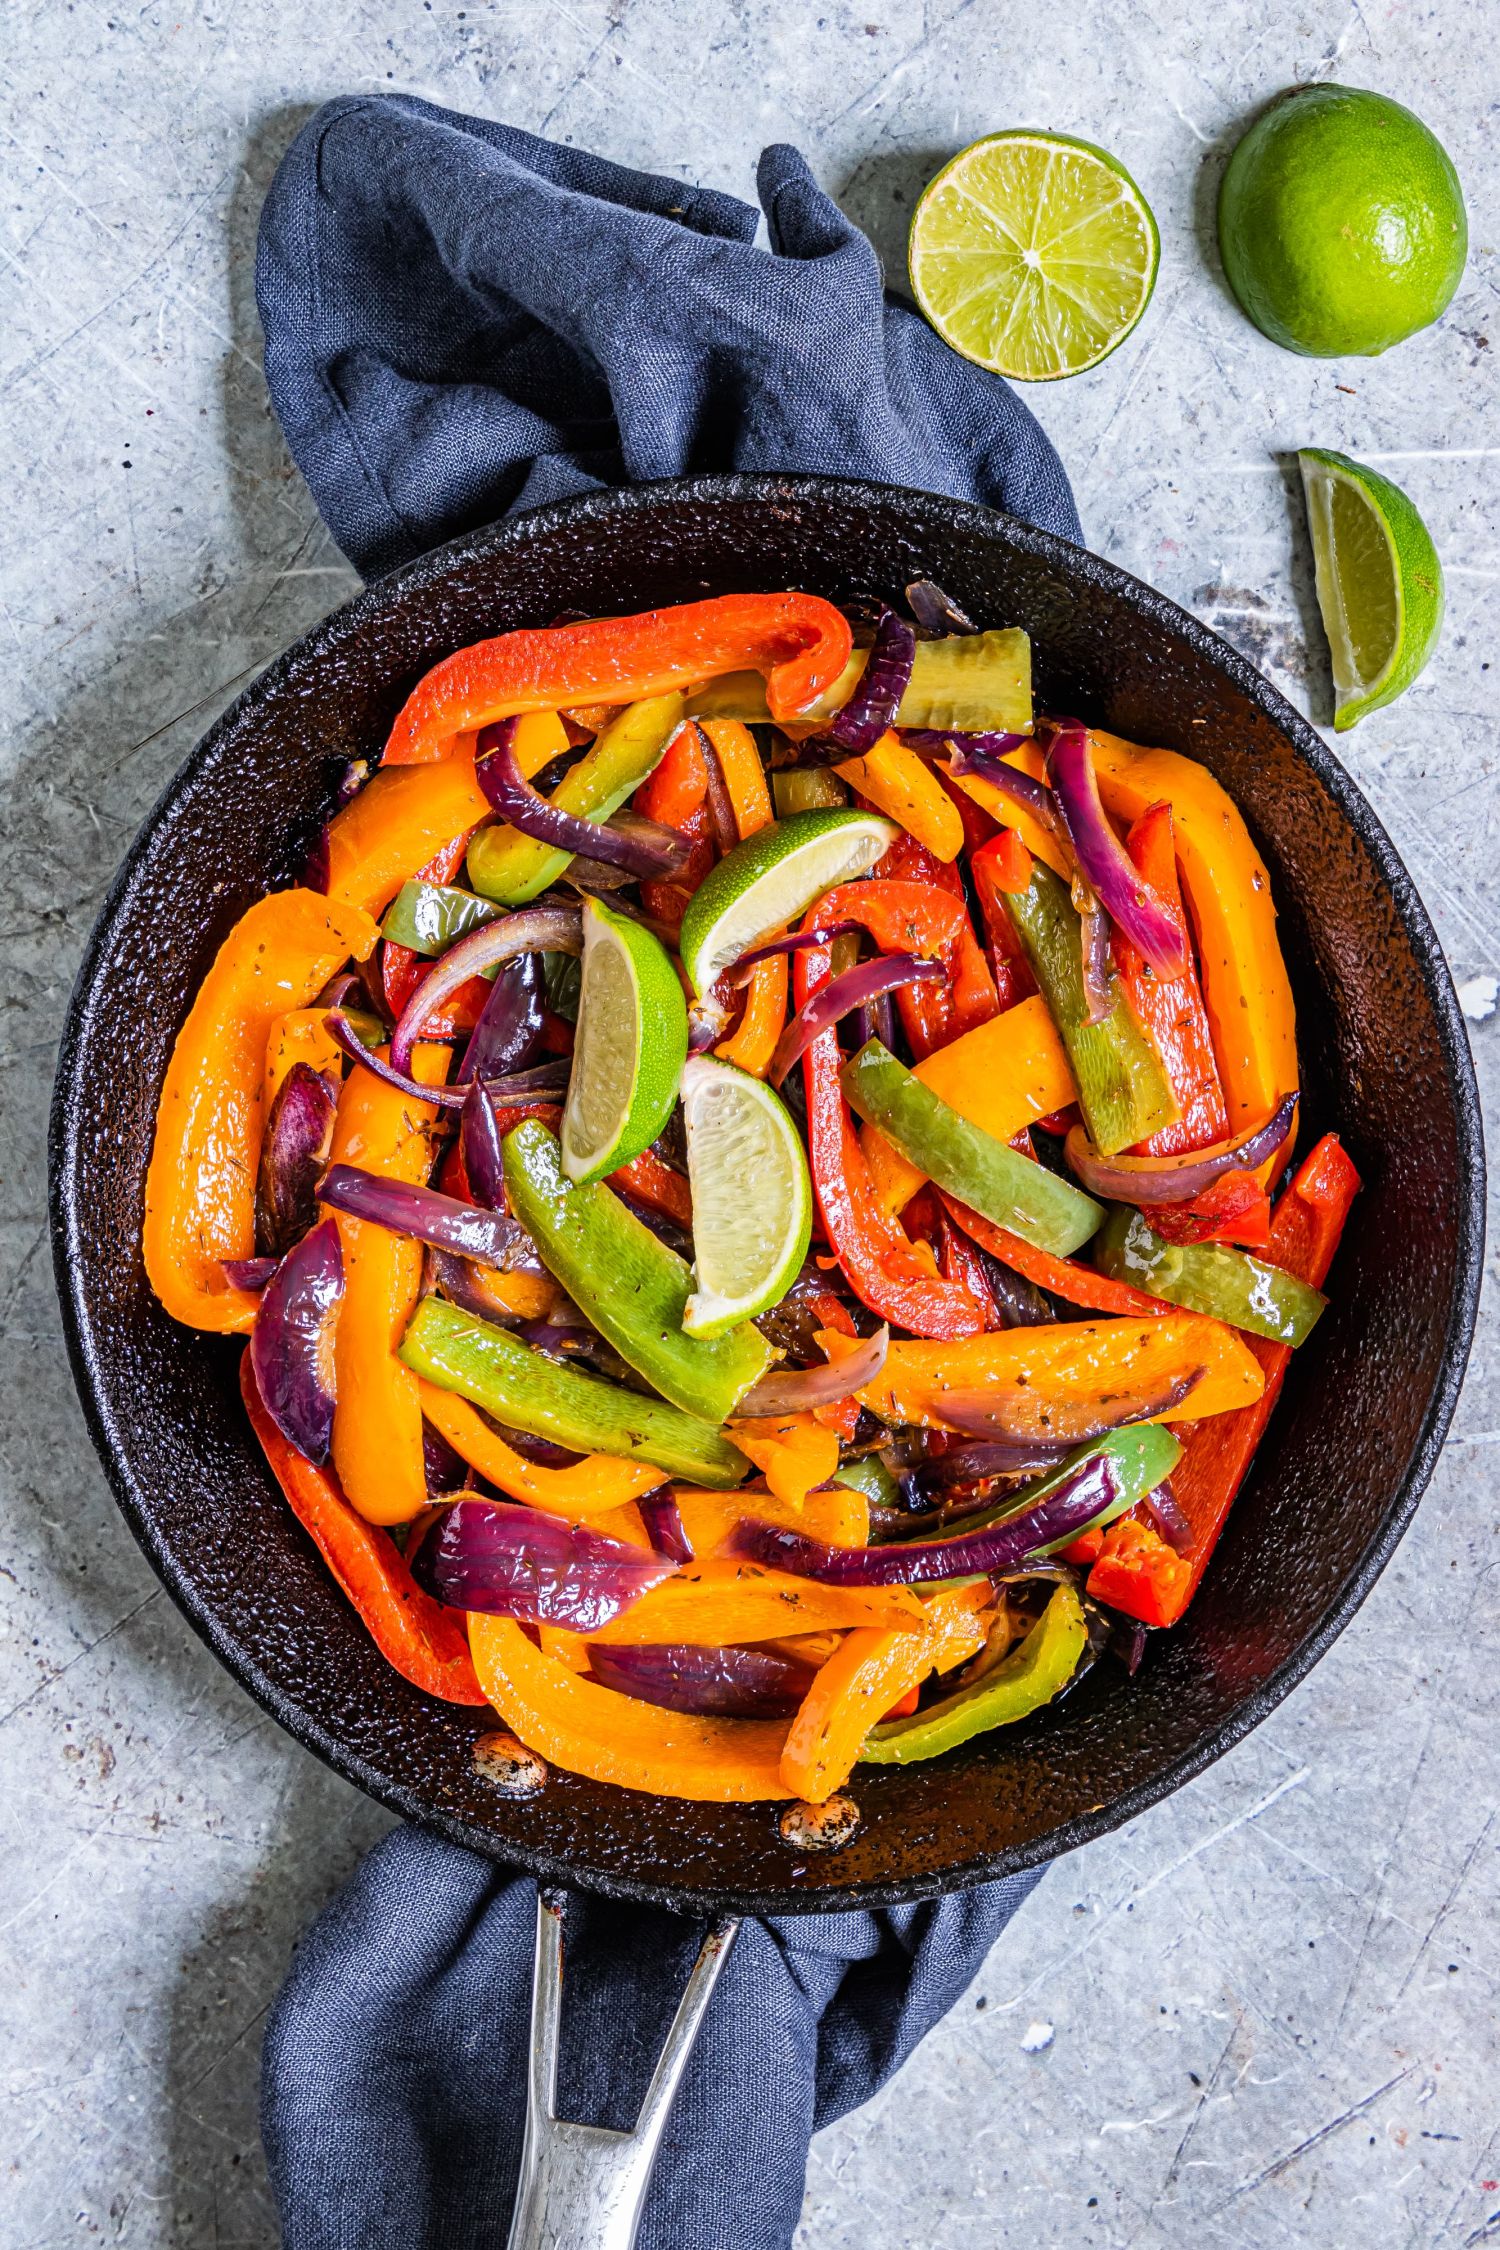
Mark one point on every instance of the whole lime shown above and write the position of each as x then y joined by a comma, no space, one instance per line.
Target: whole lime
1341,223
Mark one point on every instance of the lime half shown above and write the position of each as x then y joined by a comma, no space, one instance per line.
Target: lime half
1380,584
752,1198
631,1045
1033,254
773,877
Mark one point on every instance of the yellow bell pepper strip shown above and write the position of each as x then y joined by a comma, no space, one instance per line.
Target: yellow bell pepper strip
390,831
974,682
595,1731
1030,1676
793,1453
903,786
860,1682
425,1642
1245,985
1003,1075
377,1415
511,868
713,1603
837,1514
1076,1362
800,642
752,1043
1042,844
590,1487
200,1183
301,1035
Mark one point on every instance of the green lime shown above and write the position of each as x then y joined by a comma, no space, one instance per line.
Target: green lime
630,1048
774,876
1033,254
1341,223
752,1198
1380,584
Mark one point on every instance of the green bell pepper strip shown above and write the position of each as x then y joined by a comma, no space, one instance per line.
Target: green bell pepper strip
1141,1455
1031,1675
528,1391
632,1287
429,917
1122,1087
974,683
511,868
1209,1277
869,1475
987,1174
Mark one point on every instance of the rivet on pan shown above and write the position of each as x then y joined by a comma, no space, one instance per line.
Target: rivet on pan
820,1828
508,1766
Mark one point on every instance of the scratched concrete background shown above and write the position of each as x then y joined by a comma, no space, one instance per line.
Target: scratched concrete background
1263,2014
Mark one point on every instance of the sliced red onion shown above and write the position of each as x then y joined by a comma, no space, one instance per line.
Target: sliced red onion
1166,1511
1098,963
490,1238
864,982
521,1085
788,1390
444,1466
935,611
593,875
872,708
981,1458
249,1273
877,1020
983,757
720,804
1091,1491
360,991
481,1146
535,929
291,1344
724,1683
664,1525
796,941
517,1562
1128,1642
508,1035
1135,909
298,1136
1015,1414
1176,1179
515,800
708,1020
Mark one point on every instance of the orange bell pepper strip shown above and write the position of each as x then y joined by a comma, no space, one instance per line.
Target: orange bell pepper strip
713,1603
200,1182
904,787
301,1035
1027,758
864,1678
377,1416
744,775
1060,1277
1246,992
895,1277
837,1514
386,834
1173,1013
1305,1231
595,1731
1139,1574
1005,1074
793,1453
590,1487
800,642
426,1643
752,1043
1072,1362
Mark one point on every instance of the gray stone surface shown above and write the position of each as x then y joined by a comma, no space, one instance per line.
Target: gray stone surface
1262,2015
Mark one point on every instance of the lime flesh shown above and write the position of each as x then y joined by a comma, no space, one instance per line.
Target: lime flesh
630,1047
771,878
1379,582
752,1198
1033,254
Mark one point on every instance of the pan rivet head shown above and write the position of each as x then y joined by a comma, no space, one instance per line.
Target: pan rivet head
508,1766
820,1828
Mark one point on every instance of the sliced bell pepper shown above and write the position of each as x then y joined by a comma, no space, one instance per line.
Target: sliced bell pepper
426,1643
717,1602
972,681
200,1183
1030,1676
676,794
377,1416
793,1453
931,1015
1233,1208
752,1043
1009,1072
837,1514
1009,967
1027,758
1172,1012
1078,1362
395,825
593,1730
1209,1278
800,642
590,1487
1122,1089
511,868
1060,1277
869,1674
301,1035
894,1276
1139,1574
904,787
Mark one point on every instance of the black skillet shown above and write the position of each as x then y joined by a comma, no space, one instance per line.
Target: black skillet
1385,1062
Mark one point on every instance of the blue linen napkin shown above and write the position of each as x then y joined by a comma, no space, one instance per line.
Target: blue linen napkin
463,321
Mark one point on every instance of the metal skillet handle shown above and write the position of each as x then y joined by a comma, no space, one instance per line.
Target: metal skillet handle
582,2187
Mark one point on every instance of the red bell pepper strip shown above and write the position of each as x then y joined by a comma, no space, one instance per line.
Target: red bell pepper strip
919,913
883,1266
800,642
1174,1013
1139,1574
1305,1231
992,871
960,1261
676,794
1062,1277
1236,1208
427,1644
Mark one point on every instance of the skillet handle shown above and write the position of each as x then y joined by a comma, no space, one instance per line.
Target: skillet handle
582,2187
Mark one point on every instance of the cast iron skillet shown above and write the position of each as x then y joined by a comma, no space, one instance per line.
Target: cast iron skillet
1384,1057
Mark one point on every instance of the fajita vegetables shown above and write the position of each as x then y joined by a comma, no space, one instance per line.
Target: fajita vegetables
758,1181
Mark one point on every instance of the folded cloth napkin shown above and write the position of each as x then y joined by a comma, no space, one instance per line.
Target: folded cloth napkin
462,321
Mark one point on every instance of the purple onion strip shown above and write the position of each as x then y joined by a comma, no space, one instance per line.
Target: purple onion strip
937,612
1014,1415
1135,909
1166,1511
983,757
864,982
796,941
481,1145
522,1085
1176,1179
878,692
291,1344
517,1562
515,800
298,1136
664,1525
490,1238
535,929
508,1035
725,1683
789,1390
249,1273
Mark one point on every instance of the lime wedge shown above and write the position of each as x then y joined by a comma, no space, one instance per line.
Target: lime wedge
752,1198
1380,584
631,1045
1033,254
773,877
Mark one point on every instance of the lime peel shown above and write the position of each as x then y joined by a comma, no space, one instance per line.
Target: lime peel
1379,581
630,1048
752,1197
771,878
